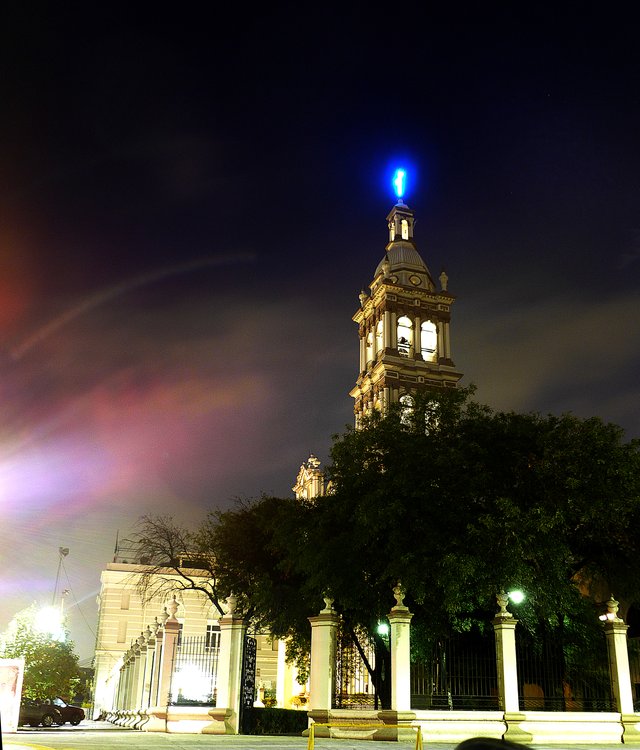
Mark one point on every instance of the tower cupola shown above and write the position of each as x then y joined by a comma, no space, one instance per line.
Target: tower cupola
404,323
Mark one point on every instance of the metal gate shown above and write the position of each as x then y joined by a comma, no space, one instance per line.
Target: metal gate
460,674
248,684
195,671
353,684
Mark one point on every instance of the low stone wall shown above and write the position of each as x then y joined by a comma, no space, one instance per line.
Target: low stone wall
455,726
538,727
563,728
174,719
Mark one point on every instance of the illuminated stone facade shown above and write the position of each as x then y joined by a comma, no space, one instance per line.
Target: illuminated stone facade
403,325
123,616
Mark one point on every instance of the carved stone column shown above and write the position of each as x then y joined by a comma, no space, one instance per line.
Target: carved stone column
228,688
504,626
400,641
615,631
323,657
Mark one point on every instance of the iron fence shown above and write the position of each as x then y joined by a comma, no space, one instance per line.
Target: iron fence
460,674
555,675
194,674
634,669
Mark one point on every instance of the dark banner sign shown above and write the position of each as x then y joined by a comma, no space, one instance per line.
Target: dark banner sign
248,693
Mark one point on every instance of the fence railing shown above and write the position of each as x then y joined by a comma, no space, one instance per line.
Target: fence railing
354,687
634,670
459,675
556,676
195,670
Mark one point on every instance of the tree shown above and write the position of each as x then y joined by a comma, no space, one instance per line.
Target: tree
247,551
489,500
456,502
51,666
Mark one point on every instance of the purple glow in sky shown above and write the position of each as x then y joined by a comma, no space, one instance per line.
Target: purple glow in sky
181,252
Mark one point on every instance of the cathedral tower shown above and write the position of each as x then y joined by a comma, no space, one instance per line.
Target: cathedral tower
403,323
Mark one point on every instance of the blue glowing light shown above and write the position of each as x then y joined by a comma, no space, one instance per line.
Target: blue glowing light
399,182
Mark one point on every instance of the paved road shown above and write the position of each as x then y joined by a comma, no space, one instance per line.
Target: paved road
96,735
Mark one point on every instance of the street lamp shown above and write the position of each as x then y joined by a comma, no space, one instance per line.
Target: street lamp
63,552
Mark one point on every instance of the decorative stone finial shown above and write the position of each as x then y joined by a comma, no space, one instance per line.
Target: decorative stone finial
386,268
611,615
328,606
363,298
173,608
399,594
503,600
164,616
148,633
444,280
232,603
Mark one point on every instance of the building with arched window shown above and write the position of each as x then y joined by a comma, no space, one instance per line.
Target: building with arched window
404,324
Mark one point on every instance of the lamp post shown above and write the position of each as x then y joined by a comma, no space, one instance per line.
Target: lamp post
63,552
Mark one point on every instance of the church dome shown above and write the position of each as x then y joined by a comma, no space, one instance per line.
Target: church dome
402,254
405,266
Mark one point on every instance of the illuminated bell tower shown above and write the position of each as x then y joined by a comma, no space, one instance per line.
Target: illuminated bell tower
403,323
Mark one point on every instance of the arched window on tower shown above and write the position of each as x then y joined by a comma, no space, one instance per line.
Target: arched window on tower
428,341
369,356
405,336
405,229
379,329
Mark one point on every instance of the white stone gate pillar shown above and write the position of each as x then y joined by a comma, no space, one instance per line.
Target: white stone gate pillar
324,629
169,645
615,631
504,626
228,685
400,641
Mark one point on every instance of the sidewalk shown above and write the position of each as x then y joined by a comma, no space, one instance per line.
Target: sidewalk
100,735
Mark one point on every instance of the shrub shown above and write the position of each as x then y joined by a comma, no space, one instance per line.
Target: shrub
274,721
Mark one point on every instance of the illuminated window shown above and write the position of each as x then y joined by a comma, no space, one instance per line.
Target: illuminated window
212,637
405,229
379,328
405,336
428,341
369,346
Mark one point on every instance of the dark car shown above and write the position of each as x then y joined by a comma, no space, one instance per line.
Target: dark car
34,713
73,714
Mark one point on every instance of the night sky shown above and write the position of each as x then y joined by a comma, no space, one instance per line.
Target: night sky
192,199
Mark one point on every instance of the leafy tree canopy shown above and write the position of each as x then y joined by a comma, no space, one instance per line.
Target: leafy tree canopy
457,502
51,666
450,498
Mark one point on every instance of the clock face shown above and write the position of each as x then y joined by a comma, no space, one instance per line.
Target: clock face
415,280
